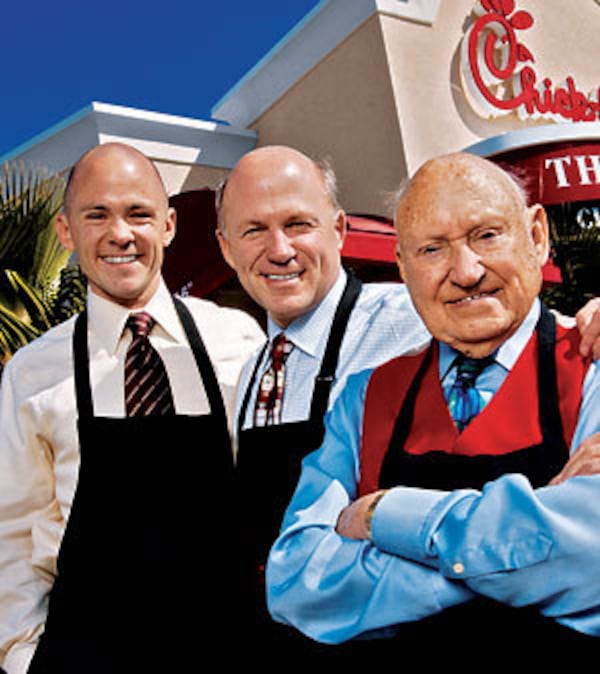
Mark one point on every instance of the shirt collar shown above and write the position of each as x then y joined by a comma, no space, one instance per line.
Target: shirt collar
507,353
107,318
311,330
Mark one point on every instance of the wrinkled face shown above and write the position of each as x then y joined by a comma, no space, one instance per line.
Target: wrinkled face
118,221
281,233
471,252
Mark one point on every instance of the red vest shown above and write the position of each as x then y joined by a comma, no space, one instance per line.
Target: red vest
491,432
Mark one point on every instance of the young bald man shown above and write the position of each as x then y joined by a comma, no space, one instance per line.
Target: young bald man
113,444
455,499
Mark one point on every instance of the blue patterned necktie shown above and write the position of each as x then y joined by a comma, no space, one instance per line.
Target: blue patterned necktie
464,400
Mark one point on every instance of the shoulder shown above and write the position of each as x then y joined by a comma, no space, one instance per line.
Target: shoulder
44,361
231,335
211,316
390,303
397,372
392,294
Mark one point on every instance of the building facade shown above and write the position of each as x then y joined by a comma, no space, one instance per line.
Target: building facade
378,87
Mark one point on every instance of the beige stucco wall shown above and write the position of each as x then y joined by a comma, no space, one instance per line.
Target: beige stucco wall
390,95
344,109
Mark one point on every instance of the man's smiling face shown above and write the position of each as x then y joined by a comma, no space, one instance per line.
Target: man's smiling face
470,252
117,219
281,232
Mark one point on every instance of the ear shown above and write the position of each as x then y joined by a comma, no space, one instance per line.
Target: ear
63,231
538,226
170,227
341,227
225,247
400,262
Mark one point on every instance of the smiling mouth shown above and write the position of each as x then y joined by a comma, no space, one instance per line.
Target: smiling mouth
283,277
119,259
471,298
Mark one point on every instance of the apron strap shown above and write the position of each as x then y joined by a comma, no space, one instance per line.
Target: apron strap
81,360
205,366
324,380
549,406
246,401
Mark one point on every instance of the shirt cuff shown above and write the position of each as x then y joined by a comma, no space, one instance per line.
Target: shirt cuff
406,518
18,658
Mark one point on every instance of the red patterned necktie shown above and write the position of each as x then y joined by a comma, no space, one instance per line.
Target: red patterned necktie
269,399
147,389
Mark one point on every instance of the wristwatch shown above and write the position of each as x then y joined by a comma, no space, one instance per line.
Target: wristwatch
371,510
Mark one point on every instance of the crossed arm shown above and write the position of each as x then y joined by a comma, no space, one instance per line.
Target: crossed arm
430,550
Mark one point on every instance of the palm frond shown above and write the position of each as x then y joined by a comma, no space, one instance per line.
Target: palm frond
14,333
29,202
39,312
37,289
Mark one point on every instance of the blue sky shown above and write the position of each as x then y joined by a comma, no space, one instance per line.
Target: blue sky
172,56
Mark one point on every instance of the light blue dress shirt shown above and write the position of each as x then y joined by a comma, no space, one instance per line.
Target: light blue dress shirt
382,325
431,549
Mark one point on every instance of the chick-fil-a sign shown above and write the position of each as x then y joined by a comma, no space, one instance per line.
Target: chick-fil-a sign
497,73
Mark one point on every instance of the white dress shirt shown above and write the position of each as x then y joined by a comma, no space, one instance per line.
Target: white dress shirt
383,324
39,445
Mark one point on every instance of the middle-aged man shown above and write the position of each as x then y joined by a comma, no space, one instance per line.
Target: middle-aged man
442,508
115,545
281,228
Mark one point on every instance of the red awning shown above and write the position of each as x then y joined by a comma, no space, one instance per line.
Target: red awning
370,238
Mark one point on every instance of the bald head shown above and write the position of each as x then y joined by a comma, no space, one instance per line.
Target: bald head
470,251
476,179
275,159
102,158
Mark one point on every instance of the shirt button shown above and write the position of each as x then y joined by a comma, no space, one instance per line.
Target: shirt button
458,568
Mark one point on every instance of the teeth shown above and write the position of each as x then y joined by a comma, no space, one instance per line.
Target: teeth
473,297
282,277
114,259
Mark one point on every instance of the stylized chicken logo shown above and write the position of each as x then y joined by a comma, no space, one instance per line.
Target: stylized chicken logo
497,74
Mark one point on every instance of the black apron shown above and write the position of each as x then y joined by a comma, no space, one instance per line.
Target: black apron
484,621
151,491
269,463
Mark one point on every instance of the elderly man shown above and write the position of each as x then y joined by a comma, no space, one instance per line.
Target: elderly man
443,506
113,444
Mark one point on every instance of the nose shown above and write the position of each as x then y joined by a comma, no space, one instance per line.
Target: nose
120,232
279,247
466,268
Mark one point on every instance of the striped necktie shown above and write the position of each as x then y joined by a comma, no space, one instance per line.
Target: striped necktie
269,400
147,390
464,400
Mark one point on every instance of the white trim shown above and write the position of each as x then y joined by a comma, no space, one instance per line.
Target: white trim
535,135
159,151
169,138
306,45
422,11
